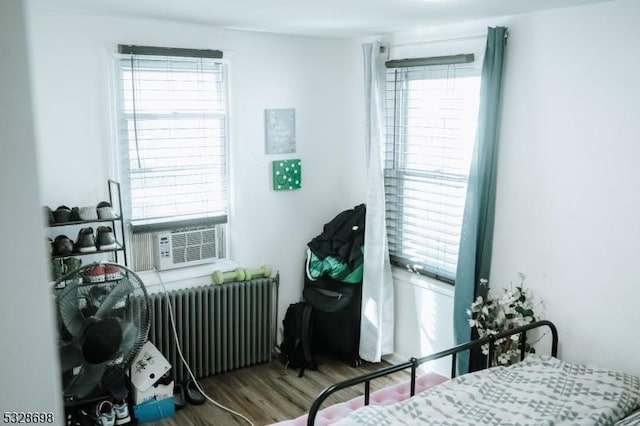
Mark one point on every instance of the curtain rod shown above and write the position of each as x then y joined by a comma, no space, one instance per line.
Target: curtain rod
435,60
168,51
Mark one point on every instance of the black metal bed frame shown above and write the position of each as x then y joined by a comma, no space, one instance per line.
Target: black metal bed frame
414,363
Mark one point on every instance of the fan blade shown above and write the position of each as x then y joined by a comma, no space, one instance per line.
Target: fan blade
70,313
123,288
129,337
87,379
70,356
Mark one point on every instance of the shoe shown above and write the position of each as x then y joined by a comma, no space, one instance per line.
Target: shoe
105,211
62,214
95,274
122,412
62,246
75,215
105,239
86,243
112,272
73,263
193,394
88,213
105,416
179,398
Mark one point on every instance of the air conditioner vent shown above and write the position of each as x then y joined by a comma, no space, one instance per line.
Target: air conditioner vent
179,248
178,240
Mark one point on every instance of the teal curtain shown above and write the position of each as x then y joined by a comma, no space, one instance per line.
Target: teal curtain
474,259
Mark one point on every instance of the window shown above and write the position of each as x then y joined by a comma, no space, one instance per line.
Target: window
173,139
431,116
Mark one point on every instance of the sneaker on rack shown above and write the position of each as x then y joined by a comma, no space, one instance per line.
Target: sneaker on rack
62,214
105,211
105,415
88,213
75,215
94,275
112,272
122,412
105,239
62,246
73,263
86,242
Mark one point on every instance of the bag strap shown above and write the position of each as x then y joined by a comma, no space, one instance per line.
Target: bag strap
306,337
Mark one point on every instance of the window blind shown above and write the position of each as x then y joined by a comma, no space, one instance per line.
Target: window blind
173,149
431,116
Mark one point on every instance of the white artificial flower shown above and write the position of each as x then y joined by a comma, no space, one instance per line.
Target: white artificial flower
507,299
495,315
503,359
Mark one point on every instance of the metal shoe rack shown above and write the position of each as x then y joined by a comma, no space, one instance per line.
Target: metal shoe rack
117,225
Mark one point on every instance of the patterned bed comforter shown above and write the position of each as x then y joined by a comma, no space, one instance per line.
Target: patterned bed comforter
537,391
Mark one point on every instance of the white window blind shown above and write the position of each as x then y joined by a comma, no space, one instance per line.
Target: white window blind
173,147
431,117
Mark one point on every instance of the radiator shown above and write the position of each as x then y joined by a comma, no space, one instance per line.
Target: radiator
219,327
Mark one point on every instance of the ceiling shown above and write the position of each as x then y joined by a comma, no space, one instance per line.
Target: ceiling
326,18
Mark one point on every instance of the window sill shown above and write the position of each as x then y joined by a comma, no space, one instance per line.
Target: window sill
175,279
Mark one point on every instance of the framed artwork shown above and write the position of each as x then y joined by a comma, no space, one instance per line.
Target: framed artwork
287,175
280,131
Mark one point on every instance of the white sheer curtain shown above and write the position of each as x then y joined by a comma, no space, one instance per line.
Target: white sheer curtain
376,330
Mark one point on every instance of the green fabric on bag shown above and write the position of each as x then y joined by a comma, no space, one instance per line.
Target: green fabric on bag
355,276
327,266
335,269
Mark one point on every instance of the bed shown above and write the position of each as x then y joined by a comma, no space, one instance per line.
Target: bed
538,390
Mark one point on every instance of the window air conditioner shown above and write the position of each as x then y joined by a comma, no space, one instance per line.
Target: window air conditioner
187,247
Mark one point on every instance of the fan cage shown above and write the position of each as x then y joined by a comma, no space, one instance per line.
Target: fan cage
77,292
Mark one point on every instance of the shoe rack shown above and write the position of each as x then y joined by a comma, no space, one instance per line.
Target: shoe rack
119,253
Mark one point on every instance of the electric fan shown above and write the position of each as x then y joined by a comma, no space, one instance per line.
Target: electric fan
103,320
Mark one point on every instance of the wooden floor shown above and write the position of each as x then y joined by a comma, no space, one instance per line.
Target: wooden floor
269,393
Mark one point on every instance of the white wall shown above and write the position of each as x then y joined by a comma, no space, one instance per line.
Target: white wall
568,197
28,369
424,308
72,57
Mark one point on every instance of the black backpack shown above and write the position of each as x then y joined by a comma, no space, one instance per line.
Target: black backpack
295,349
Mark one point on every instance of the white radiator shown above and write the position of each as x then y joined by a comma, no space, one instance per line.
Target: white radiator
220,327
